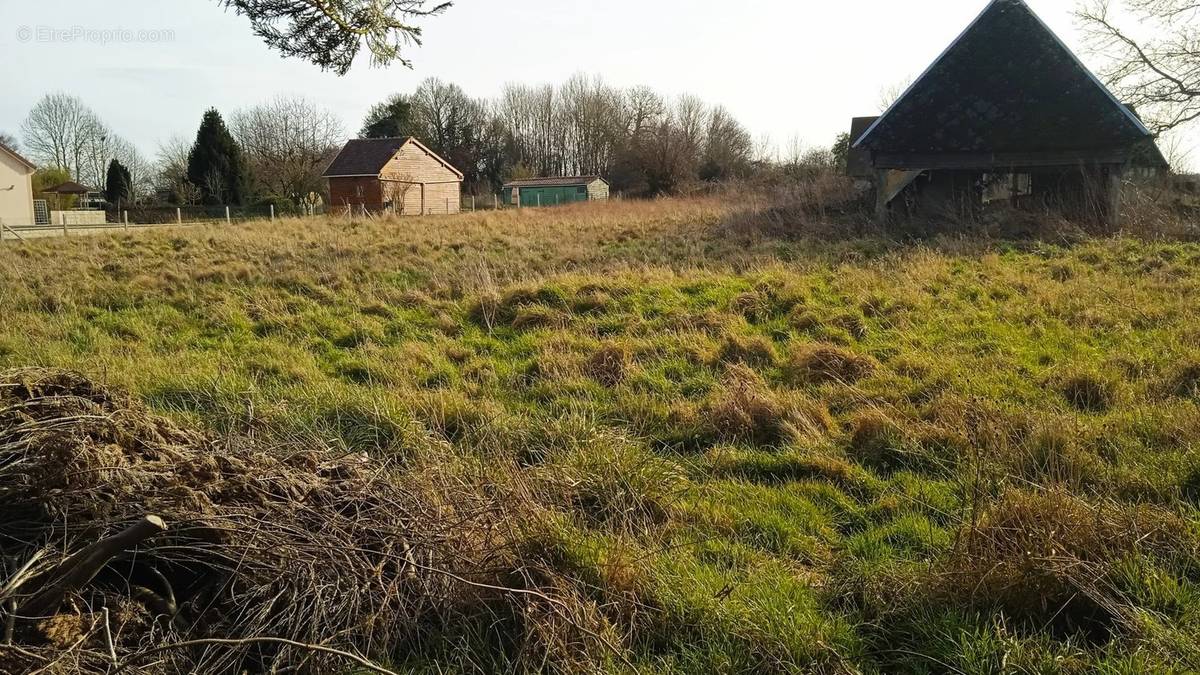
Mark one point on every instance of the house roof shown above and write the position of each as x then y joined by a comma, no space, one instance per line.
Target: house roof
18,156
1007,84
368,156
69,188
558,181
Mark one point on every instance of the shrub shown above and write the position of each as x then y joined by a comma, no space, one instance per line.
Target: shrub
819,363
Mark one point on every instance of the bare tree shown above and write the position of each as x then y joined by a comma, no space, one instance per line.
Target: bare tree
593,118
171,171
644,109
9,141
396,193
105,146
691,119
287,143
728,147
62,132
1155,65
330,33
892,93
452,123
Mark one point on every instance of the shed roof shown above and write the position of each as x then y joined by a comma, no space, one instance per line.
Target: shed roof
10,151
1007,84
368,156
559,181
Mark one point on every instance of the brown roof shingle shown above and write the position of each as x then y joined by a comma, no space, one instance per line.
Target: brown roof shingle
364,156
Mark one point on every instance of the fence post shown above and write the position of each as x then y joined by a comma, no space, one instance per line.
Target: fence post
127,220
447,207
63,217
178,215
227,219
272,213
472,203
496,203
539,199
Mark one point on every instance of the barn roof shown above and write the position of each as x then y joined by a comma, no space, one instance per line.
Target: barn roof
560,181
1007,84
10,151
368,156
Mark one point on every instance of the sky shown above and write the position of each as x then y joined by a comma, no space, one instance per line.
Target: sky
788,69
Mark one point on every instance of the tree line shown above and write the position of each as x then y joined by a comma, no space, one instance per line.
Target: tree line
642,141
645,143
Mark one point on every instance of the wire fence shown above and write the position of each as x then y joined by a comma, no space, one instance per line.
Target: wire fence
147,216
182,215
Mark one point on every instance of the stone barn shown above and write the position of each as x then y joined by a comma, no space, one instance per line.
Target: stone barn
393,175
1007,114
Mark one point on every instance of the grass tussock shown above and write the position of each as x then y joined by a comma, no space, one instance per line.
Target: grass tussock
746,410
608,365
822,363
1184,382
1088,392
1048,558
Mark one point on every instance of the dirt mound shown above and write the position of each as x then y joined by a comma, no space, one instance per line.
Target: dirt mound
124,534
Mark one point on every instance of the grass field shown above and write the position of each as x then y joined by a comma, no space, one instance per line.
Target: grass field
751,453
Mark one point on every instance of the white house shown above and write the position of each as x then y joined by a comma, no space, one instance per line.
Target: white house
16,188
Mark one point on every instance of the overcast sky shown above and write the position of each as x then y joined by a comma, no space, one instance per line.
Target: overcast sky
785,68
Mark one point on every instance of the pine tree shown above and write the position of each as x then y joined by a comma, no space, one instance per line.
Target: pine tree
392,118
118,184
215,163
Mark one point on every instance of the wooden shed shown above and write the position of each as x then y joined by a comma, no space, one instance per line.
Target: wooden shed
393,175
1006,113
555,191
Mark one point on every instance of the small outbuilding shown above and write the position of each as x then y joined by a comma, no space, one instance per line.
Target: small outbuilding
393,175
1006,114
555,191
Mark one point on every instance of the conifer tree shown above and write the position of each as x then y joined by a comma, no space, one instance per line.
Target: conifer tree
215,163
118,184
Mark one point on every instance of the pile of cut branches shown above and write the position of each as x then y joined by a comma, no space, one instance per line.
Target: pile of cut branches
130,544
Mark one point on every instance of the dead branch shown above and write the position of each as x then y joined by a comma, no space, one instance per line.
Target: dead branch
82,567
241,642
